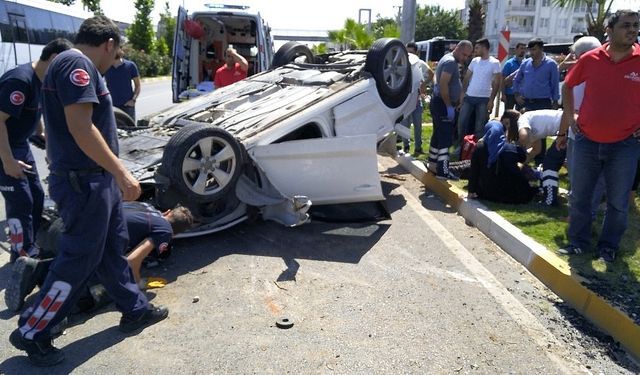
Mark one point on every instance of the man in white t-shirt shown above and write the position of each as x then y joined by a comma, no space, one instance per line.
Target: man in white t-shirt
536,125
480,85
532,127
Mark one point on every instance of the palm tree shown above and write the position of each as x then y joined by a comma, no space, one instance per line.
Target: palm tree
476,19
352,36
597,13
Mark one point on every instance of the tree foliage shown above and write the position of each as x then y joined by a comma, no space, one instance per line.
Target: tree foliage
167,25
432,21
140,33
90,5
319,49
385,27
596,16
475,28
352,36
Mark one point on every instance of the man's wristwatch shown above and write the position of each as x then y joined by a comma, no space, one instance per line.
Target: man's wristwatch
558,134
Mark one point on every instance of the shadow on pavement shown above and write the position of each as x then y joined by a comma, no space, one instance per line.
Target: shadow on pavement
76,353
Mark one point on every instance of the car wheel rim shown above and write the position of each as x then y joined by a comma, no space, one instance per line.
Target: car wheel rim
208,166
395,68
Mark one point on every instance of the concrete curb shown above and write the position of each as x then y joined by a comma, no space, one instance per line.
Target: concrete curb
154,79
542,263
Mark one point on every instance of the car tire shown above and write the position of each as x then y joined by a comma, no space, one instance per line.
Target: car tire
203,162
123,120
388,62
289,52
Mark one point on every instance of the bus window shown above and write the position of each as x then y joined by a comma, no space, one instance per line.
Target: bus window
19,29
76,23
39,22
64,26
5,27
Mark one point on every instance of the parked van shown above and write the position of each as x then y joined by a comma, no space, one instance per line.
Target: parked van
433,49
203,36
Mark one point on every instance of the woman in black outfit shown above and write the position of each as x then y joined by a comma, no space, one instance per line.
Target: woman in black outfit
495,174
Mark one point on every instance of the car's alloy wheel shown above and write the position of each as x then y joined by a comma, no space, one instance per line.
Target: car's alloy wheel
203,162
388,62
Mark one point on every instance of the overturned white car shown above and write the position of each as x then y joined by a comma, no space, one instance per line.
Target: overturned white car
306,131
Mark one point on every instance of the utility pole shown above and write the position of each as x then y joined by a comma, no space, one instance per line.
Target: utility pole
399,15
408,26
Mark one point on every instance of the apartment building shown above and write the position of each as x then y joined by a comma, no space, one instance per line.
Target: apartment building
528,19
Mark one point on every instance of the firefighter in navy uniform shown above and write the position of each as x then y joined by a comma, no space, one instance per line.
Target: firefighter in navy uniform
19,118
88,183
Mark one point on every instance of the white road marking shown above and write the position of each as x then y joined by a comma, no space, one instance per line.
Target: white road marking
557,353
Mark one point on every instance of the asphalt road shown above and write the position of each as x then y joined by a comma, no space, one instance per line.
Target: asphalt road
420,293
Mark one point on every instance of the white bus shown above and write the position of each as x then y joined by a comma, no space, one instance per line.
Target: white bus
26,26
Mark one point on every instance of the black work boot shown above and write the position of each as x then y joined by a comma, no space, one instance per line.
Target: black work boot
443,172
22,281
152,315
41,352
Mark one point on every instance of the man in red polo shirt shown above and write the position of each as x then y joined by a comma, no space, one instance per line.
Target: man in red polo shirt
233,71
604,141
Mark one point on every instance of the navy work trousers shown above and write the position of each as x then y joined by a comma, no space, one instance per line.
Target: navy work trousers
93,241
23,200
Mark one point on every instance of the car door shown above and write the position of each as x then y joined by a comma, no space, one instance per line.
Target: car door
180,68
326,170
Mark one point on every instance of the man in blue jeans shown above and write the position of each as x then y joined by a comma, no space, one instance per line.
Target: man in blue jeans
604,141
480,86
416,115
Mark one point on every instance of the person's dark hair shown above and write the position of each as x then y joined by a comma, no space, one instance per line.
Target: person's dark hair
535,42
483,42
512,130
520,44
96,30
618,14
180,219
412,45
57,45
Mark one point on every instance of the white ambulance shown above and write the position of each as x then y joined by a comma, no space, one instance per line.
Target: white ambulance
203,36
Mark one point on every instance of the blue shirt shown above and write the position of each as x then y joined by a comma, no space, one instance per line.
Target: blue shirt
510,66
20,98
119,81
540,82
144,221
72,78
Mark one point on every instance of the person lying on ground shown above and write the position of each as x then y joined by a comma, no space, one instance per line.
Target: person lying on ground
149,229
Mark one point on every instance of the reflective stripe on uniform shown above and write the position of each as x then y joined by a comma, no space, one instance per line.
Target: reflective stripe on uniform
46,310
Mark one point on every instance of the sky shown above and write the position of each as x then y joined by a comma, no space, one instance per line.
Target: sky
287,14
299,14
